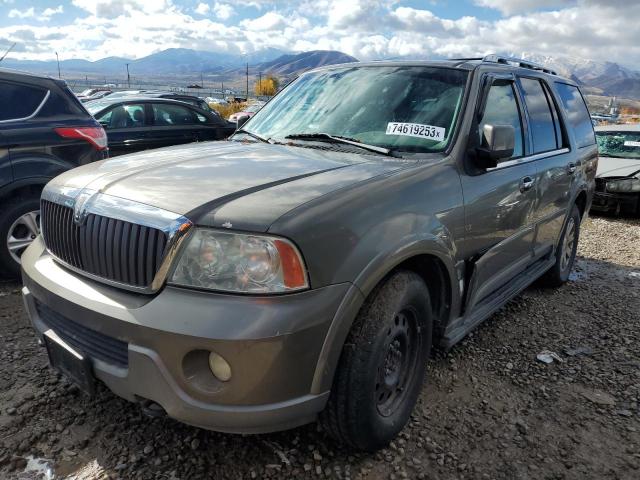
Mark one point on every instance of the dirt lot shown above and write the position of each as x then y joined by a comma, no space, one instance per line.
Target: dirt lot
490,409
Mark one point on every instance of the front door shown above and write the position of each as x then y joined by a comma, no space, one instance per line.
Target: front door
499,204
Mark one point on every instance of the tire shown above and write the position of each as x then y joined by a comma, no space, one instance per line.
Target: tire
566,253
364,410
17,220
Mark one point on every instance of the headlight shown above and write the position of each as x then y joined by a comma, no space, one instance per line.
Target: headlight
624,185
241,263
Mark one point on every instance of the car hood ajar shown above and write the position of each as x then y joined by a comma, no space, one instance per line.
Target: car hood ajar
617,167
227,184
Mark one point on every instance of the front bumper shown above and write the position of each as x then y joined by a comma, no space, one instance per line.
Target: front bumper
616,202
273,345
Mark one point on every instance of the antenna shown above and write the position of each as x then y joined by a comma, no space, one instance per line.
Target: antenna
7,52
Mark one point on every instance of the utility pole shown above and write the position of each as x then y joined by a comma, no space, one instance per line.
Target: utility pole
260,83
222,90
128,77
7,52
247,96
58,60
86,80
201,80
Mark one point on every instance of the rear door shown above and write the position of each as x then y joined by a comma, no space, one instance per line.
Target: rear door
549,148
173,124
499,202
127,128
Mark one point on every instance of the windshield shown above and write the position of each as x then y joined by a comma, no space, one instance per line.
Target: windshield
619,144
407,108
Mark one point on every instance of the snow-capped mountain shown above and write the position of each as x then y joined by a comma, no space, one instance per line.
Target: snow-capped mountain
607,78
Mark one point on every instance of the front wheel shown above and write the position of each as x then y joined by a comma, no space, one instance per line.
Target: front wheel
19,226
382,366
566,251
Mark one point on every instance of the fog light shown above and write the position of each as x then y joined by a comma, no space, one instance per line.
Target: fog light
219,367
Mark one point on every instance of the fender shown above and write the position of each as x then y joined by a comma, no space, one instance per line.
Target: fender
373,273
7,190
27,166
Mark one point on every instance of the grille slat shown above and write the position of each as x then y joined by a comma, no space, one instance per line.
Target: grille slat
88,341
113,249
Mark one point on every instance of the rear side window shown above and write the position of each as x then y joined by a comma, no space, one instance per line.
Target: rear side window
577,113
167,114
58,104
541,120
502,109
19,101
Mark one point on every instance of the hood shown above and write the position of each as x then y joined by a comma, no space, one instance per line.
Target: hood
210,182
617,167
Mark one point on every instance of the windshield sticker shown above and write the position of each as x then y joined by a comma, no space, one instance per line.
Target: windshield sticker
416,130
629,143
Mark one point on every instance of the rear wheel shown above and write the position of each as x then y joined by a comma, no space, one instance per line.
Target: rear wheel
382,366
566,252
19,227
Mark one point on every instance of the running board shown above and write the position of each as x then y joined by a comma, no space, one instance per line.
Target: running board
460,327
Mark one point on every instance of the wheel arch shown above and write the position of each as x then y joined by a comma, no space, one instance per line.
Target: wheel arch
435,268
26,186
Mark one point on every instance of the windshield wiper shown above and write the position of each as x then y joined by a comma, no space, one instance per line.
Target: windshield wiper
252,135
338,139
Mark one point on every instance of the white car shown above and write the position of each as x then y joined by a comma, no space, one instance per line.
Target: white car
618,177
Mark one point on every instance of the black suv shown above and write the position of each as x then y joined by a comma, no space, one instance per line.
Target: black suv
44,130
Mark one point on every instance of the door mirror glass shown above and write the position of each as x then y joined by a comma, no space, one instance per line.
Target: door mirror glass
498,142
241,121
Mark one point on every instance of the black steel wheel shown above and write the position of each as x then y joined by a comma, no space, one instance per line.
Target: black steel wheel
382,366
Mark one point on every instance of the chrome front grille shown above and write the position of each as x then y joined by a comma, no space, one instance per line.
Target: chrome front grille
105,247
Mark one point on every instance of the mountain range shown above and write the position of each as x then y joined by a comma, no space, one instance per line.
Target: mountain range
602,78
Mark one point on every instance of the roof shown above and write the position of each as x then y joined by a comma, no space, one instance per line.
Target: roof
107,101
627,127
469,64
16,74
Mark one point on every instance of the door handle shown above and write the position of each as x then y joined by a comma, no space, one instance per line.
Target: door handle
526,184
571,168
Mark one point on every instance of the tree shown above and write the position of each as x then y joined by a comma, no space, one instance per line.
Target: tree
267,86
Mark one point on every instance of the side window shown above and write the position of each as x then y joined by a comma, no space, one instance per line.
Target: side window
167,114
19,101
123,116
541,121
502,109
577,114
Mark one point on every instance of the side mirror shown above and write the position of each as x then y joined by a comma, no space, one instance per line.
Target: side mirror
240,121
498,142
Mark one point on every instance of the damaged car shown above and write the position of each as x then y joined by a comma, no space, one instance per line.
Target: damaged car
618,177
304,269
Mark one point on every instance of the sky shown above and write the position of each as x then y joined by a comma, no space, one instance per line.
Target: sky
367,29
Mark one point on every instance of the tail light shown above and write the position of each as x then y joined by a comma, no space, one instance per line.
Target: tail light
96,136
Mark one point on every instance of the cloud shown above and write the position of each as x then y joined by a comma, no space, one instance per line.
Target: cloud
509,7
268,21
223,11
202,9
366,29
50,12
28,13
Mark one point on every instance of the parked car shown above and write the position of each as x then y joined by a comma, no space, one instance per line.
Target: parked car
44,130
307,266
93,94
618,178
248,111
139,123
190,99
212,101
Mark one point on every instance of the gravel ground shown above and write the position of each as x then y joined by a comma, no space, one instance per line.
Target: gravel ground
489,410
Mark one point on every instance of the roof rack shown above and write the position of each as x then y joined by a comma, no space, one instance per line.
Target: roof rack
493,58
